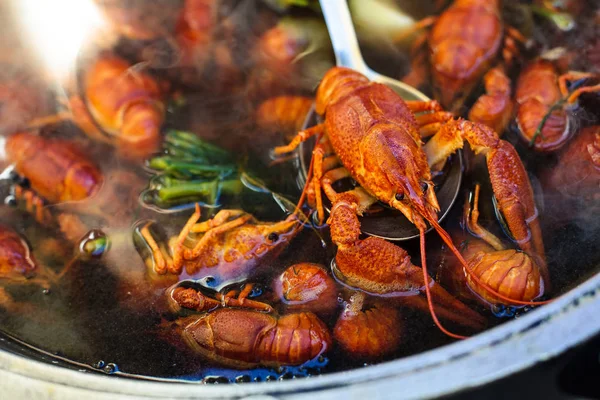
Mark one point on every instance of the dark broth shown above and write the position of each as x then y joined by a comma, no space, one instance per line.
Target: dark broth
106,315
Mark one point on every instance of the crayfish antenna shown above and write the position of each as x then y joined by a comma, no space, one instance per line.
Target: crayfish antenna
446,238
428,290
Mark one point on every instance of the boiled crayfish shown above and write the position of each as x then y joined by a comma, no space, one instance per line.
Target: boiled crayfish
307,287
368,332
121,106
465,41
19,267
191,299
513,273
247,338
227,247
377,139
59,173
542,98
245,333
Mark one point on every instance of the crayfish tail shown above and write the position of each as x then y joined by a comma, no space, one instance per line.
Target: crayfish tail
468,270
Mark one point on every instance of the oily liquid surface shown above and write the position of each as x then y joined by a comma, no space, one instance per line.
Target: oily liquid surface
106,315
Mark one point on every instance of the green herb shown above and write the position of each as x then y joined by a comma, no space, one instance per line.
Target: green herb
189,169
563,21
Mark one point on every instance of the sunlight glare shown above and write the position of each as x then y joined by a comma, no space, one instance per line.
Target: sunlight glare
57,29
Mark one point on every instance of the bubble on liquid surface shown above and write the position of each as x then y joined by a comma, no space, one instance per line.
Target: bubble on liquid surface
110,368
94,244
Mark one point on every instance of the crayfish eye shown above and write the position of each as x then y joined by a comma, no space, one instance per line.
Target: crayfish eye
273,237
23,182
424,187
399,196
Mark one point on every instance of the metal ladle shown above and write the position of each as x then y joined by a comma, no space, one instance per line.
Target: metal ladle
389,224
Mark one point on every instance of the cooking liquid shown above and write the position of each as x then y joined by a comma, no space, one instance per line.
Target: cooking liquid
107,315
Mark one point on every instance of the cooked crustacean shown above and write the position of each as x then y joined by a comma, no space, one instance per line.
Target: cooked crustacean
192,299
290,56
460,57
513,273
283,114
228,247
16,261
246,338
542,98
60,174
195,29
368,332
495,107
307,287
56,169
18,266
376,137
121,105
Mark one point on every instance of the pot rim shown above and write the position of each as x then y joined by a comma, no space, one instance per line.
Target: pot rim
493,354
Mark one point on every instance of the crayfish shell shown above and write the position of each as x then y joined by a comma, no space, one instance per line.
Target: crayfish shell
16,261
512,273
307,287
369,334
244,338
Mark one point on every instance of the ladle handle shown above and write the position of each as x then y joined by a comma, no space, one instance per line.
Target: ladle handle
342,34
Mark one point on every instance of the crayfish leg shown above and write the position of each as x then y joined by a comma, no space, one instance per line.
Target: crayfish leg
244,301
210,234
219,219
302,136
471,216
431,123
161,263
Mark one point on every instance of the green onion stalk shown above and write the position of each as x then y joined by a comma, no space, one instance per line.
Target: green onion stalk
190,169
563,21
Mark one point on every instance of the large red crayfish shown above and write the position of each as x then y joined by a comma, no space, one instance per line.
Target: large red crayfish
376,137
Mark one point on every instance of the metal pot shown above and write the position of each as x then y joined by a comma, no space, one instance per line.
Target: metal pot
496,353
511,347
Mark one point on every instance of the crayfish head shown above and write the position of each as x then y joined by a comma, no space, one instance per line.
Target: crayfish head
279,234
395,170
418,205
